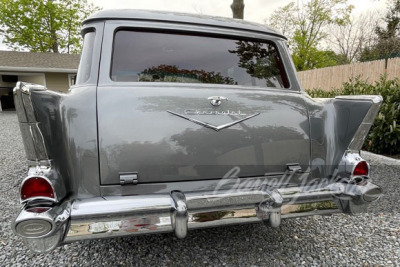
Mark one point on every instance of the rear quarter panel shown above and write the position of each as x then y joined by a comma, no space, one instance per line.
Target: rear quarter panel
338,125
69,127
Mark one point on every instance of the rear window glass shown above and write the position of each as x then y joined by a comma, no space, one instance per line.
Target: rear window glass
170,57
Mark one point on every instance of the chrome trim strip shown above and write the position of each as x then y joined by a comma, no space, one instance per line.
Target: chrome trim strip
209,125
33,141
31,134
41,163
376,99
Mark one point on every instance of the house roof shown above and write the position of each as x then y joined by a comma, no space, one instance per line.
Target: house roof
38,62
181,18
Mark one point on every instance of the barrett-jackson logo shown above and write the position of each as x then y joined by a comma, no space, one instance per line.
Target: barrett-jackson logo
214,112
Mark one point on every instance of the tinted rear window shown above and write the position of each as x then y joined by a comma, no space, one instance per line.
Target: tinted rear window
169,57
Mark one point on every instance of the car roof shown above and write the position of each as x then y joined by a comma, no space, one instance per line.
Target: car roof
181,18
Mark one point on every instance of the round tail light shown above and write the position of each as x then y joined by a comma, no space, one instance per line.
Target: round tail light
361,169
36,187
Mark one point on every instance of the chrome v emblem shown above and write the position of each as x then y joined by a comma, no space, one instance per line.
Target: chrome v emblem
209,125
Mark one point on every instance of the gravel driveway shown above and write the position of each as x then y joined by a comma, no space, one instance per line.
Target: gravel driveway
371,239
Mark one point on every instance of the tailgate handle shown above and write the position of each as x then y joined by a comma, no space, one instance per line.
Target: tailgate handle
128,178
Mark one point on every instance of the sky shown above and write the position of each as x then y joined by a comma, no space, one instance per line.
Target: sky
255,10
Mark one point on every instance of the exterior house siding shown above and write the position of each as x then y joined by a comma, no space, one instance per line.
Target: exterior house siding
57,82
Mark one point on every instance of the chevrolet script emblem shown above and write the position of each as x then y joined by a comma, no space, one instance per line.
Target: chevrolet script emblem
209,125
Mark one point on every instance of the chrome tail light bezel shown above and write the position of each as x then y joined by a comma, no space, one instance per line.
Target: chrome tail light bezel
348,165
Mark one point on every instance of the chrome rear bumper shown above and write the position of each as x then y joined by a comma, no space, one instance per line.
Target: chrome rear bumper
178,212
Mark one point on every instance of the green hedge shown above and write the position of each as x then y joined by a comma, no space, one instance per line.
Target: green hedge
384,136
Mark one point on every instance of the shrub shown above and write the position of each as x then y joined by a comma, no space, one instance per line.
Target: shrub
384,136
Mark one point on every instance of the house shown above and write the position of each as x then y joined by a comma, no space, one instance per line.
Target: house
55,71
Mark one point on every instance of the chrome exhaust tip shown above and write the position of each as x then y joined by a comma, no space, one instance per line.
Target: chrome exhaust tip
42,227
41,221
372,194
33,228
364,192
355,198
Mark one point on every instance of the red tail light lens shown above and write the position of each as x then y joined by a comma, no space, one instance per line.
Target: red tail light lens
361,169
36,187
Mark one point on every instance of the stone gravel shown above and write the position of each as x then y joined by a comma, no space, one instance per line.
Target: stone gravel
371,239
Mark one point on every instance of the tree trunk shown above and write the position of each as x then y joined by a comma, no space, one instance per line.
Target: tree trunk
53,33
54,40
238,9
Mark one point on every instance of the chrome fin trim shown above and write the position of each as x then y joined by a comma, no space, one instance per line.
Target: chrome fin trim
31,134
211,126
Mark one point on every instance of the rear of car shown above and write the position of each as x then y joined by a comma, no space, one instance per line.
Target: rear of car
181,122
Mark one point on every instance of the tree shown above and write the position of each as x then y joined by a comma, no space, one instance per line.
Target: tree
392,22
172,73
349,40
387,38
43,25
306,28
259,60
238,9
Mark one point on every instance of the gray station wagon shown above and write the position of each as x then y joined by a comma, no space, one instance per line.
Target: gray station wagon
179,122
